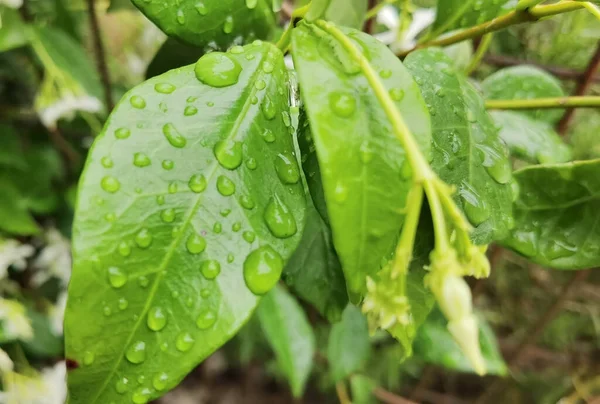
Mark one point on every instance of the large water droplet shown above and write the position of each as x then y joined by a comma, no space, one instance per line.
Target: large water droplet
141,160
287,169
136,353
175,138
228,154
262,269
116,277
249,236
476,209
164,88
190,110
210,269
206,319
225,186
195,243
559,249
159,381
279,218
268,108
143,238
184,342
228,25
197,183
137,102
110,184
141,395
496,164
122,133
217,69
122,385
156,320
168,215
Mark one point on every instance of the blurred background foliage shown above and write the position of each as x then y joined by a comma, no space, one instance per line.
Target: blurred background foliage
53,103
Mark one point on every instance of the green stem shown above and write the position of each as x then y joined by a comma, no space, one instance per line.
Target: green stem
514,17
442,246
592,8
486,41
587,101
525,4
406,244
284,42
375,10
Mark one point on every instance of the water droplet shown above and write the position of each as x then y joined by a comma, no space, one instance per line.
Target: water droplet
287,120
110,184
228,154
225,212
366,154
206,319
251,3
143,281
136,353
124,249
141,160
110,217
143,238
122,385
168,164
237,226
250,56
385,74
559,249
164,88
251,163
342,103
172,188
210,269
247,202
107,311
397,94
190,110
159,381
141,395
116,277
267,67
262,269
175,138
249,236
201,8
184,342
168,215
205,293
279,218
195,244
228,25
217,228
225,186
88,358
106,162
217,69
122,133
475,207
160,199
123,303
137,102
340,193
268,136
156,320
260,84
230,258
287,169
197,183
268,108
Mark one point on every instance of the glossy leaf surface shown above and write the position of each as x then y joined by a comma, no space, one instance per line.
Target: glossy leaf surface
533,141
211,24
557,215
467,152
435,345
290,335
182,221
454,14
363,169
348,346
522,83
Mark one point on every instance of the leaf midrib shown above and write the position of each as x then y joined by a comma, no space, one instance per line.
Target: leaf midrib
194,209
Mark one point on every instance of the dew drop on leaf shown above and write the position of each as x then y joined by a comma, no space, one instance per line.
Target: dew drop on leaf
225,186
143,238
206,319
124,249
251,163
342,103
141,395
217,69
156,320
180,17
268,108
201,8
143,281
262,269
237,226
385,74
190,110
340,193
159,381
397,94
110,184
228,154
122,133
168,215
197,183
279,218
210,269
184,342
137,102
268,136
136,353
251,3
123,303
122,385
141,160
247,202
217,228
287,169
228,25
106,162
260,84
249,236
476,209
88,358
116,277
175,138
168,164
195,244
164,88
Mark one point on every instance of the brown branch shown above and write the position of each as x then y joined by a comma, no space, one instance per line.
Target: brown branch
561,72
583,86
64,147
100,55
388,397
439,398
368,25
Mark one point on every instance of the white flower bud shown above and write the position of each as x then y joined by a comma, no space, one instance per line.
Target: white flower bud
455,298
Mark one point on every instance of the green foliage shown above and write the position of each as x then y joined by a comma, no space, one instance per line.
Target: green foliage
349,13
454,14
14,33
218,221
171,55
348,346
556,215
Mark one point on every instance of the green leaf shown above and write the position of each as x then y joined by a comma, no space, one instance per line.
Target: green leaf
349,13
434,344
364,171
348,347
362,389
454,14
212,24
288,331
14,215
523,83
167,237
557,215
171,55
317,9
44,344
11,153
533,141
467,152
13,32
314,271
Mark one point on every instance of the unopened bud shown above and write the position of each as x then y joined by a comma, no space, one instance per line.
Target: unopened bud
466,334
455,298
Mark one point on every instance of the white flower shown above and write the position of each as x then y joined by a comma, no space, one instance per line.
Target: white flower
66,106
6,364
54,260
13,253
16,324
48,388
57,314
11,3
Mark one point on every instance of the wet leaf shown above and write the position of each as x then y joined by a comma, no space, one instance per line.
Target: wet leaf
533,141
290,335
467,152
212,24
349,13
557,215
182,222
523,83
14,33
348,346
454,14
364,172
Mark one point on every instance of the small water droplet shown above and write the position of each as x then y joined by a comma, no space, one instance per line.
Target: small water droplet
107,311
287,169
168,164
88,358
106,162
159,381
136,353
210,269
230,258
249,236
156,320
184,342
268,108
268,67
110,184
143,238
180,17
168,215
279,218
228,25
225,212
201,8
225,186
124,249
287,120
137,102
217,69
385,74
559,249
260,84
247,202
141,395
340,193
123,303
190,110
143,281
251,163
342,103
228,154
366,154
262,269
164,88
397,94
235,227
251,3
116,277
197,183
175,138
268,136
195,244
217,228
206,319
172,188
122,133
475,207
122,385
110,217
141,160
160,199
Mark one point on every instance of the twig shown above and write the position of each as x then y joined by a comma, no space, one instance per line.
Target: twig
482,48
368,26
100,55
582,87
542,103
535,331
439,398
514,17
342,393
65,147
388,397
561,72
427,376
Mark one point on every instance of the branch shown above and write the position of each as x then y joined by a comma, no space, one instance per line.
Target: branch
542,103
514,17
370,20
100,56
561,72
584,84
483,47
390,398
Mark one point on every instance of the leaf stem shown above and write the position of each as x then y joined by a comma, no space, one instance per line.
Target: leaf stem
405,246
101,63
483,47
284,41
514,17
540,103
